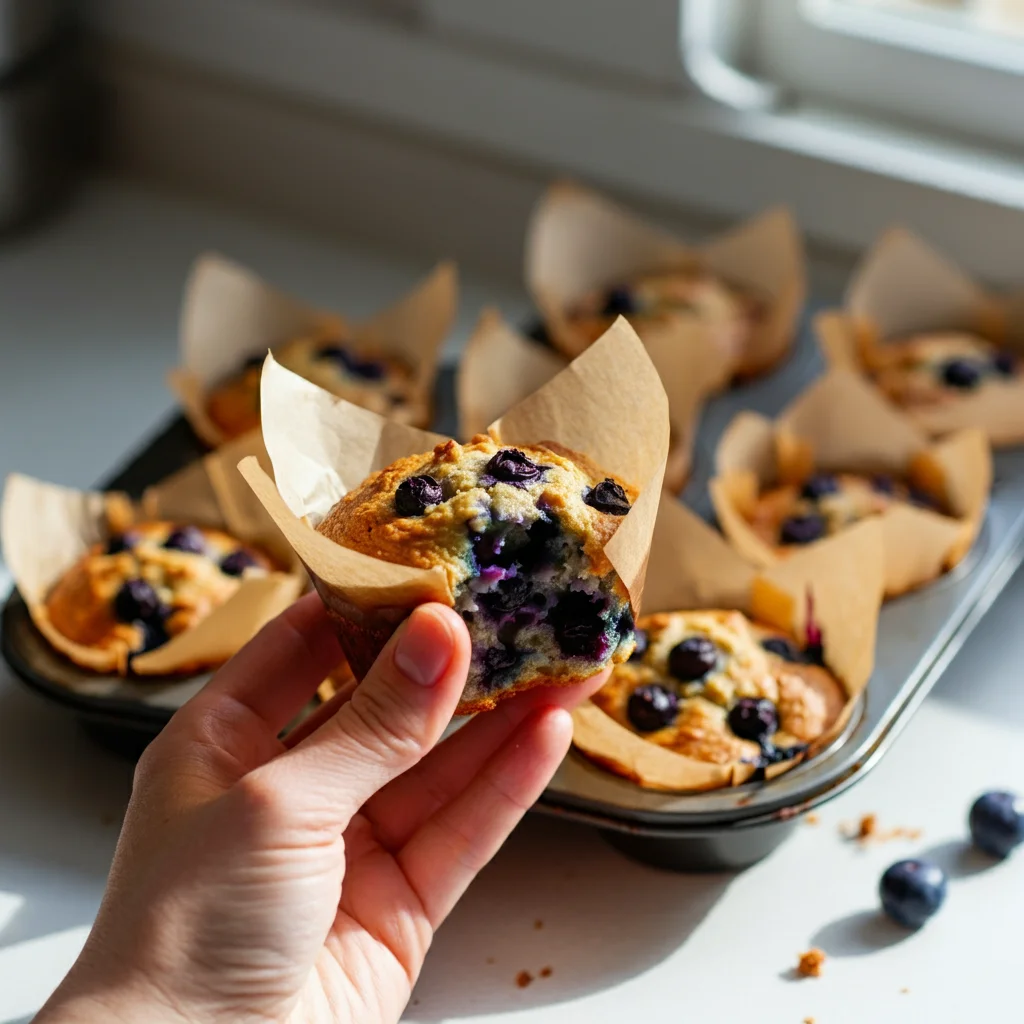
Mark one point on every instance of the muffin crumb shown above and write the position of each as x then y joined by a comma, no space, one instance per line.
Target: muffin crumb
808,1020
538,924
546,972
867,830
811,964
812,819
523,978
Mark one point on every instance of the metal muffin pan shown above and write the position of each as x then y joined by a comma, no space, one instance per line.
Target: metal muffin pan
918,635
722,829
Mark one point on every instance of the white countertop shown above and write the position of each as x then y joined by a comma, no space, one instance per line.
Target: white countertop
87,328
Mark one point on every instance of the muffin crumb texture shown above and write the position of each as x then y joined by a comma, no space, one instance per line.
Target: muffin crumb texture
811,964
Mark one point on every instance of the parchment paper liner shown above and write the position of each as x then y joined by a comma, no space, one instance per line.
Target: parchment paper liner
842,423
608,404
902,287
229,314
692,567
46,528
579,241
500,367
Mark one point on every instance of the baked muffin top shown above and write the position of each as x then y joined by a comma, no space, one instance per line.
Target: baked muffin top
934,368
825,503
331,360
140,588
716,687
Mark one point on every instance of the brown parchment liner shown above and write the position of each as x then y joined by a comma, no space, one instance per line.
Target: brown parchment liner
579,241
842,423
500,367
47,528
903,286
608,405
230,314
693,568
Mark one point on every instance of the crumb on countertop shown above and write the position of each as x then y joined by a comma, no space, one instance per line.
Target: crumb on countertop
808,1020
867,830
811,964
523,978
812,819
538,924
546,972
904,991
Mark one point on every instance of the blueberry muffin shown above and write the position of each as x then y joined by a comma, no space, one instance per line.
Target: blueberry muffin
928,370
142,587
715,687
796,514
650,298
520,535
333,361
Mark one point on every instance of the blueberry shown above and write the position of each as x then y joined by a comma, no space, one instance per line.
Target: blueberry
500,659
922,499
783,648
753,719
1004,363
512,466
642,643
816,487
367,369
997,822
414,496
619,301
137,600
189,539
883,483
119,542
235,563
154,634
960,373
578,625
911,891
803,529
692,658
651,707
608,497
510,594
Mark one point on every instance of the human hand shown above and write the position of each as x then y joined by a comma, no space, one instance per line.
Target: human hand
302,880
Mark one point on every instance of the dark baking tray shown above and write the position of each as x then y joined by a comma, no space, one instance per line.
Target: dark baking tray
721,830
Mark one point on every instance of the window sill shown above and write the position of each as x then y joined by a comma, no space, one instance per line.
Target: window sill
846,179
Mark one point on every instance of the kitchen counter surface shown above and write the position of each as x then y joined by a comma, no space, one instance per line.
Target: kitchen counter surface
88,309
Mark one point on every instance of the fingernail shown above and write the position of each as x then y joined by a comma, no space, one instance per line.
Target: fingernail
424,647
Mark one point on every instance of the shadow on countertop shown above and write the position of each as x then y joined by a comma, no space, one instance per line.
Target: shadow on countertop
556,897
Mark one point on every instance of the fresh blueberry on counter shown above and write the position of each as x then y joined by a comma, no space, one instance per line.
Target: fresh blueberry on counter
997,822
912,891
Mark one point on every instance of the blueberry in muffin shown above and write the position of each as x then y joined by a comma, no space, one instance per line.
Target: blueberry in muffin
794,515
334,361
648,299
140,588
717,687
519,532
937,369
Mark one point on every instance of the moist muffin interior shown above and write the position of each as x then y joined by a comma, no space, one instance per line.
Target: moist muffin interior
520,534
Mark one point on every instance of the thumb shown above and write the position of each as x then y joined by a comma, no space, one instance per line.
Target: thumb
395,717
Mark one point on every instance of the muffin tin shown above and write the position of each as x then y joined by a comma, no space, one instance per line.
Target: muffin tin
720,830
